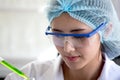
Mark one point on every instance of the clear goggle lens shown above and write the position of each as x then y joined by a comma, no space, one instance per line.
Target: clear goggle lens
74,41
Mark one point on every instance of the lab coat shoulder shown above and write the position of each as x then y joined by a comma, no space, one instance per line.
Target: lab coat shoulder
114,71
36,69
111,71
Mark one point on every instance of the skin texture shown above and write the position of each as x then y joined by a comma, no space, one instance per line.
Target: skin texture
79,63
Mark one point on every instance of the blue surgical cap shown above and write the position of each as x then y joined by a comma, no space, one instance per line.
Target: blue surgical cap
92,13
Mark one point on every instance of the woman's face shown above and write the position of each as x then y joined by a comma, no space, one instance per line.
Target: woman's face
75,56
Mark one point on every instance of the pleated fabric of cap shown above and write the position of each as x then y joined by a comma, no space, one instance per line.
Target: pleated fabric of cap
92,13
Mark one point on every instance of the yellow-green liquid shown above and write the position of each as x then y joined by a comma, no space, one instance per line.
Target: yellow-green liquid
14,69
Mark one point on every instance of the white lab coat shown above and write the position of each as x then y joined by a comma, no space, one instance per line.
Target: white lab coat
52,70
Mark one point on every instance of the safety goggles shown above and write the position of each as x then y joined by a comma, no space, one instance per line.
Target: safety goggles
76,40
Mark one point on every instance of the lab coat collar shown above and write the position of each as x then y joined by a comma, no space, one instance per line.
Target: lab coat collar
58,69
54,72
106,68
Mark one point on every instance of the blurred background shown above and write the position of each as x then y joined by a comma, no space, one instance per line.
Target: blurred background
22,27
22,33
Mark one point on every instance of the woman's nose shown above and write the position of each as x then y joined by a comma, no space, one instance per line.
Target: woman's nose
68,47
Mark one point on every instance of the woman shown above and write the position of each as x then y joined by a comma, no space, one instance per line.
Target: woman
83,32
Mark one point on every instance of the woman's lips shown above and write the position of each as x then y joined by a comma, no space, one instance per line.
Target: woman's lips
72,58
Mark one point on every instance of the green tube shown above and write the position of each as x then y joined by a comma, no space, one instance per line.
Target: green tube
12,68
